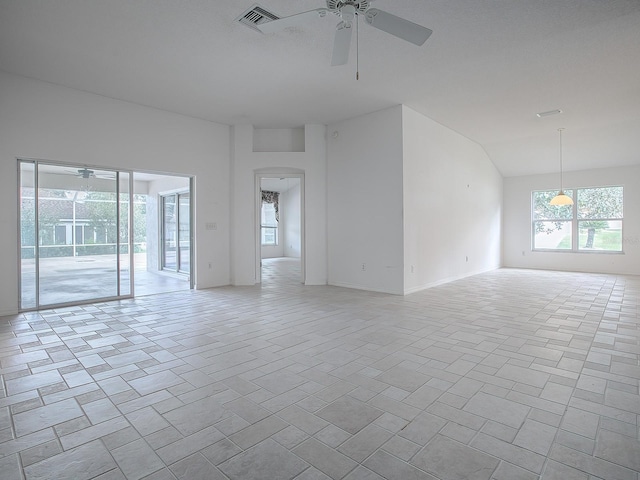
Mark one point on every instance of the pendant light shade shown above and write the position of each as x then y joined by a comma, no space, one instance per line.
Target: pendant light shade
561,198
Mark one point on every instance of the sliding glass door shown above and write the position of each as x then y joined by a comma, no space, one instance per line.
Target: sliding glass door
75,236
176,232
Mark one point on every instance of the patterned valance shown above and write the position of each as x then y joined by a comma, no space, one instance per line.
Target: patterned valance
271,197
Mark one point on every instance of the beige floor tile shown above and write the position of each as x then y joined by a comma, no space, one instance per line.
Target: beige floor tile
507,375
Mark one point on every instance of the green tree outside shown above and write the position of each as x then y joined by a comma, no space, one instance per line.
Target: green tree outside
598,203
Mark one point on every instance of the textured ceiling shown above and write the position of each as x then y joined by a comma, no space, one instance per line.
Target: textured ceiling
489,66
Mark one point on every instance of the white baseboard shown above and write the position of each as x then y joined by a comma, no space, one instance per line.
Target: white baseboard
364,287
426,286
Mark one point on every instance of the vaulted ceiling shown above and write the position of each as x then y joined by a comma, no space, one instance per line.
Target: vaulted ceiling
487,69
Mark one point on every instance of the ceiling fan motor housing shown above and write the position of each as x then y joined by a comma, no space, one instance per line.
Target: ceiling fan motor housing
336,5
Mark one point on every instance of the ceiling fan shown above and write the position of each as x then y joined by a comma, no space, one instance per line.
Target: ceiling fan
87,173
347,11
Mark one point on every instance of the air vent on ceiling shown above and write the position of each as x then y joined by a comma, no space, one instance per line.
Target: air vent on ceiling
255,16
548,113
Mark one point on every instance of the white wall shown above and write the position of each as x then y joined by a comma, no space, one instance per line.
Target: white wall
517,222
415,202
245,164
278,139
273,251
291,226
452,205
365,202
44,121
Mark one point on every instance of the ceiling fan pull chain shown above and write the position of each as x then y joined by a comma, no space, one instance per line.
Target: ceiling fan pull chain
357,48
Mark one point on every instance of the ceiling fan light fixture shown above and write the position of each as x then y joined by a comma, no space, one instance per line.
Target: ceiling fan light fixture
561,198
348,13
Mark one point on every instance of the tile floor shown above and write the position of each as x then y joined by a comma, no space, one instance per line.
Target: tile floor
507,375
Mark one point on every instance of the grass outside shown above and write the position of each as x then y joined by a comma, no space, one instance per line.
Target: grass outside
605,240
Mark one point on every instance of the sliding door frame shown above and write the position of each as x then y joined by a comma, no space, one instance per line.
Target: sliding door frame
177,194
36,163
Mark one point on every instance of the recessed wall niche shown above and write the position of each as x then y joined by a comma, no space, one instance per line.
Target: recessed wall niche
278,139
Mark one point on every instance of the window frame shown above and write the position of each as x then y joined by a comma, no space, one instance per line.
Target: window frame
575,221
264,227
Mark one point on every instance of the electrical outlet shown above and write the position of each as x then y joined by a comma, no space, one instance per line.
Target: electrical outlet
411,268
466,259
210,265
364,267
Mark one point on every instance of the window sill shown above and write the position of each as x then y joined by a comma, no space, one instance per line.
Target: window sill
589,252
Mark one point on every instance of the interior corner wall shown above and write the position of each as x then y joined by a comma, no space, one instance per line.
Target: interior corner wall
365,202
452,205
517,250
245,163
43,121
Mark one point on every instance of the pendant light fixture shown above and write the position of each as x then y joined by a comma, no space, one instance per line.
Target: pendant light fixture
561,198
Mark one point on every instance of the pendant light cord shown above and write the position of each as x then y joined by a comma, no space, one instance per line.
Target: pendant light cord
561,184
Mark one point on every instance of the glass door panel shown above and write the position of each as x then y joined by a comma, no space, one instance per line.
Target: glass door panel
77,234
169,232
184,233
176,232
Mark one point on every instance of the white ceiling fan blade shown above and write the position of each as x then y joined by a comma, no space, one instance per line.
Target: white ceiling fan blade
291,21
399,27
342,44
